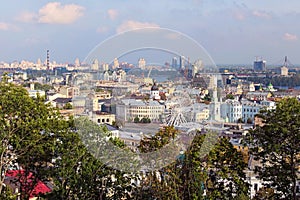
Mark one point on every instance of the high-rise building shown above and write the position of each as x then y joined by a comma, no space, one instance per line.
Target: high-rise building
142,63
174,62
77,62
116,63
259,65
197,66
284,71
95,65
182,62
105,67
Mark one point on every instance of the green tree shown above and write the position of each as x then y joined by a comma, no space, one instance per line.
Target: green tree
28,133
229,96
48,148
145,120
68,106
79,173
226,172
161,138
249,121
200,173
276,146
136,119
216,173
163,183
240,120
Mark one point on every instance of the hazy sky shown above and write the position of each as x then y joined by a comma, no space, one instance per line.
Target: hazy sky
233,32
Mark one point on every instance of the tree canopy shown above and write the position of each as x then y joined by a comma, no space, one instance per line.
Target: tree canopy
276,146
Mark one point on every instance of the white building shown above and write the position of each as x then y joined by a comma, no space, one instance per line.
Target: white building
231,110
142,63
95,65
250,109
128,109
154,93
109,75
199,112
116,63
284,71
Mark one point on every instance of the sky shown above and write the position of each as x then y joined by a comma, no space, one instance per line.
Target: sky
232,32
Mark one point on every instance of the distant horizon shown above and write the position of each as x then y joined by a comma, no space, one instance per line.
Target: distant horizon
230,31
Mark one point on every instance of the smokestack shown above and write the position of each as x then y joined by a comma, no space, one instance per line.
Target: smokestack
48,66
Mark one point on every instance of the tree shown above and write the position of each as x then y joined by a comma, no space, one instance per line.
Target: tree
68,106
240,120
198,173
226,172
213,174
136,119
163,183
28,134
79,174
249,121
229,96
145,120
45,147
276,146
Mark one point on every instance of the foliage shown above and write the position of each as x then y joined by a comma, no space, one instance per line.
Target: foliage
249,121
207,97
136,119
199,173
39,86
276,146
240,120
292,81
229,96
68,106
35,137
264,193
160,139
28,132
144,120
226,172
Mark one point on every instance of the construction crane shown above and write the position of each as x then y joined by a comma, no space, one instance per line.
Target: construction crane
148,80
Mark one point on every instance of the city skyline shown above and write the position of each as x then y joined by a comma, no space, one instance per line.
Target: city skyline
231,32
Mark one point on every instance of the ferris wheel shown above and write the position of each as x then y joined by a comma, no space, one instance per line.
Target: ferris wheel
178,109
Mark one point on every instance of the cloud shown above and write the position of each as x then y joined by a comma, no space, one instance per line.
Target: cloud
290,37
239,15
102,29
131,25
261,14
6,27
55,13
173,36
27,17
112,14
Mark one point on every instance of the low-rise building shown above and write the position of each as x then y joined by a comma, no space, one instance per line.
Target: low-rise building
103,118
128,109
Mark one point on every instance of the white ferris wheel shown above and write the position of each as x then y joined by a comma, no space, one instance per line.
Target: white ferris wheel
178,109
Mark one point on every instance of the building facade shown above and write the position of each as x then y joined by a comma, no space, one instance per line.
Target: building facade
128,109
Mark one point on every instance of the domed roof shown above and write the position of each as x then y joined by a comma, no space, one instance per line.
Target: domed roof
154,87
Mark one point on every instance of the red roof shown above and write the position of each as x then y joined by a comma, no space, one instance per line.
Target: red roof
40,187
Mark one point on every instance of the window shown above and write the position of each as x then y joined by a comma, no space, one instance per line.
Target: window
255,187
99,121
107,120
